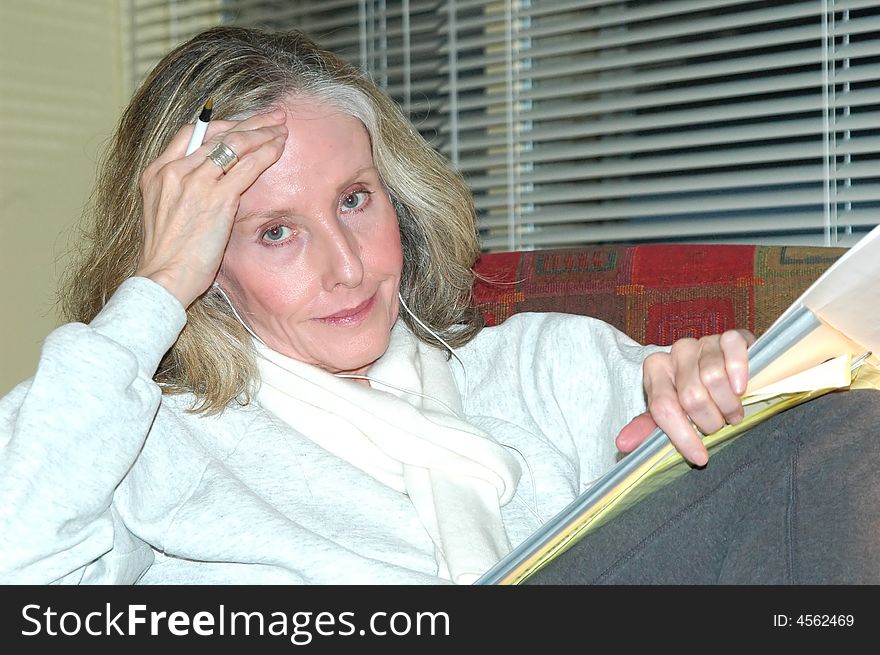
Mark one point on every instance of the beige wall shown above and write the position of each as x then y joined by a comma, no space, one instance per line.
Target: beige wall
61,91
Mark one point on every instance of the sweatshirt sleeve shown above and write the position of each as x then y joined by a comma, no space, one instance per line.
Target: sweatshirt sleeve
573,379
70,434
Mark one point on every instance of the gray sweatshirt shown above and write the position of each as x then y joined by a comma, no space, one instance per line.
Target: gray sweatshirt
105,480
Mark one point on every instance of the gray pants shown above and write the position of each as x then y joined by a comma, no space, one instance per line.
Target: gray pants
794,501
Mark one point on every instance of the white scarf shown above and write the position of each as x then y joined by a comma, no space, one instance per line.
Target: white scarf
456,475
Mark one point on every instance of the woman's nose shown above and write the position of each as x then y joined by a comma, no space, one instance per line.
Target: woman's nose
340,257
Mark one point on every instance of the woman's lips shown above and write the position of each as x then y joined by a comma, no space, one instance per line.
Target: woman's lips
352,316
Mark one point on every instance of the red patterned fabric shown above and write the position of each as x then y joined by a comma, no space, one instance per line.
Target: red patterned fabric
654,293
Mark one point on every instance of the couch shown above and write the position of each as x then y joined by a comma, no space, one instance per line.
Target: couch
654,293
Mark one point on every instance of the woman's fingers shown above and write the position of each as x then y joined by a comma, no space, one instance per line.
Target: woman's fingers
724,373
735,344
697,384
667,411
699,377
215,132
259,129
249,167
255,149
635,432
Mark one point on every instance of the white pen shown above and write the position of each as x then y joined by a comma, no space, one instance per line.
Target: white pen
201,127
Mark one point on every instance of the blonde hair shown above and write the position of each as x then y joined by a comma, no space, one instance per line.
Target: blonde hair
245,71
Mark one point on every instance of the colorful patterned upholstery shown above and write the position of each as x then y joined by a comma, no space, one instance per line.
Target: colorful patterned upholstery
654,293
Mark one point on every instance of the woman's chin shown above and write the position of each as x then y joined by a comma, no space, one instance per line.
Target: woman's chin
353,357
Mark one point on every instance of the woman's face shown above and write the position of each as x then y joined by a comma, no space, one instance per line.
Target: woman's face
313,264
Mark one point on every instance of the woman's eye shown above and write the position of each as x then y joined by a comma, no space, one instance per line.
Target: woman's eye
354,201
276,233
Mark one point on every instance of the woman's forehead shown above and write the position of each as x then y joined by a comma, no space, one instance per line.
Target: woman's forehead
326,151
326,140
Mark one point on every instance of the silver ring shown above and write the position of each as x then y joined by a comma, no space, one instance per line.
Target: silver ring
224,156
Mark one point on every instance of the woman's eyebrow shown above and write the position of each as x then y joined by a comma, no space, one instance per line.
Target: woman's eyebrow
262,214
358,173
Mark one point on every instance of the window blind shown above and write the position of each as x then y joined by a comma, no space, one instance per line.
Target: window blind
396,42
586,121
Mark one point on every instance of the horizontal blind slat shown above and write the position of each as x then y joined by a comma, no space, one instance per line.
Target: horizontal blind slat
654,32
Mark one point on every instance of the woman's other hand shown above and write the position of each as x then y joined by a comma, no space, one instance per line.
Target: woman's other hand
699,382
190,203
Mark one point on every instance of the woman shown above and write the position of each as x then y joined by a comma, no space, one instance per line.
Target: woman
255,387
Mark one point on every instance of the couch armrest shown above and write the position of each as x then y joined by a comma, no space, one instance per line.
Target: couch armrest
654,293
